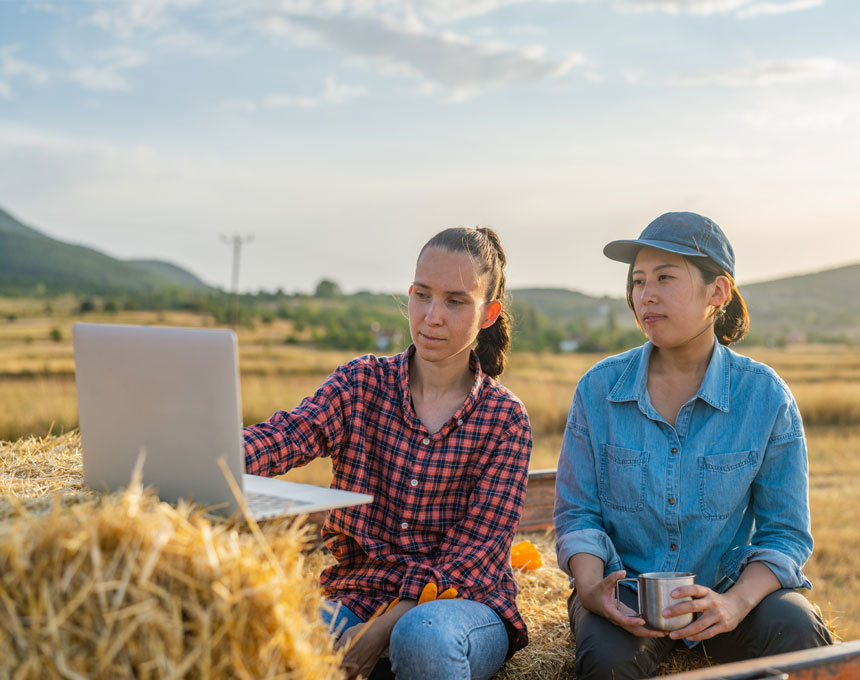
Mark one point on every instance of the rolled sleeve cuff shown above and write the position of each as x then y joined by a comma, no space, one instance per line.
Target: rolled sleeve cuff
592,541
787,571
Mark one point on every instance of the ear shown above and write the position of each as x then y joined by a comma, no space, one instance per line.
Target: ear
722,288
410,290
494,308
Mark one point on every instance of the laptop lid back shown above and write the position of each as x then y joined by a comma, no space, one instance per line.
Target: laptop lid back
172,393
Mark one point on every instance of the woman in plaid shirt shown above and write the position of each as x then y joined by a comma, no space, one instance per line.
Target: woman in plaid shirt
444,449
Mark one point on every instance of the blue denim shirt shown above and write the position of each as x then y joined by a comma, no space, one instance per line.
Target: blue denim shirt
726,486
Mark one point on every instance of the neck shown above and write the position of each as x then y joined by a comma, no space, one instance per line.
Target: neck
440,378
690,358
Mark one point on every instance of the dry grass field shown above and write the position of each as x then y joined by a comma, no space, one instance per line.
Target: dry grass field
38,396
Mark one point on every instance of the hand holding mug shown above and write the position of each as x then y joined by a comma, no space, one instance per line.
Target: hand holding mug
660,595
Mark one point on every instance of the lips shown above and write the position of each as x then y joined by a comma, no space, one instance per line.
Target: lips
653,318
430,338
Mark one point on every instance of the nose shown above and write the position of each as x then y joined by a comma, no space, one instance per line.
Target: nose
433,315
647,293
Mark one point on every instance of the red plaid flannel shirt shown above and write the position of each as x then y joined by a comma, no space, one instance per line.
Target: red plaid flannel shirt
446,505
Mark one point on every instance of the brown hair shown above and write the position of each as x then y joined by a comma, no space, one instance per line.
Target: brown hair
484,247
732,320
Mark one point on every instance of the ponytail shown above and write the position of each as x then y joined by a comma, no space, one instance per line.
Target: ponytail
732,320
483,245
494,341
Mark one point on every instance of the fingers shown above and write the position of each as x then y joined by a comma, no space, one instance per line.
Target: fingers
428,593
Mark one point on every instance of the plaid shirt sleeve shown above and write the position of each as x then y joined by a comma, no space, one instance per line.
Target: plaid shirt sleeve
475,552
314,428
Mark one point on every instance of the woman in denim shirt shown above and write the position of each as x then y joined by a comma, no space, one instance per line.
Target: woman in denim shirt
681,455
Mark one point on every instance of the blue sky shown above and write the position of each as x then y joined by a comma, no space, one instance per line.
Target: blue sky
342,135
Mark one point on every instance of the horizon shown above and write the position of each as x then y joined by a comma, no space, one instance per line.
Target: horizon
344,135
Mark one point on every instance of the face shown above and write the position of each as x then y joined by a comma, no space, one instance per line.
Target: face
447,305
670,299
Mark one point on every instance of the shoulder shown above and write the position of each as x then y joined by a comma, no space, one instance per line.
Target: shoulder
755,384
370,365
499,402
752,374
367,370
606,372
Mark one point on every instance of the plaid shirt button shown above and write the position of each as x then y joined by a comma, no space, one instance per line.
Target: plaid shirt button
426,441
459,421
414,482
404,525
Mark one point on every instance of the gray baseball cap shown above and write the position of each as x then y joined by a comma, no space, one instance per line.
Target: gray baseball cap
685,233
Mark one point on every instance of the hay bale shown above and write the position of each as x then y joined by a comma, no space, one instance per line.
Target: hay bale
33,470
125,586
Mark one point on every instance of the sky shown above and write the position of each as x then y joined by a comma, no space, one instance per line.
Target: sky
337,137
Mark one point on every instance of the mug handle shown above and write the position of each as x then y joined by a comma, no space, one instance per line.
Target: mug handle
618,599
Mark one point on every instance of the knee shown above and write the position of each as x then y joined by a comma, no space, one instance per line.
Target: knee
789,623
604,661
418,634
420,643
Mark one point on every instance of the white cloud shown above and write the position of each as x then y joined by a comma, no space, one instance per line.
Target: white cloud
339,93
123,19
447,61
107,75
742,8
703,7
14,67
772,8
5,91
333,92
771,72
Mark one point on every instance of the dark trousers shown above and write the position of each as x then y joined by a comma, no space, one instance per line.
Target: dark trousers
782,622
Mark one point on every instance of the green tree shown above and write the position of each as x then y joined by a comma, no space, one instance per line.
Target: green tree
328,289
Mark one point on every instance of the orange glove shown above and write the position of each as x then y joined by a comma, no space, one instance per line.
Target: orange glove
524,555
429,593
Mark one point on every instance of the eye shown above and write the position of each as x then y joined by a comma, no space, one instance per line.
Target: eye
665,277
420,295
455,302
637,282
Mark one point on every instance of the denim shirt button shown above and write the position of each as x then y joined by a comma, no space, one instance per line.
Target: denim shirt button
671,501
673,547
674,450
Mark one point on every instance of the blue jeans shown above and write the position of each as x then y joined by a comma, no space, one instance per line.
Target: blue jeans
441,640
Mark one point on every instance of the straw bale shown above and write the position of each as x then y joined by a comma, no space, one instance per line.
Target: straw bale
35,468
122,585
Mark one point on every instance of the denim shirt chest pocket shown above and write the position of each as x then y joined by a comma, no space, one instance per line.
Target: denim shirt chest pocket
623,478
724,482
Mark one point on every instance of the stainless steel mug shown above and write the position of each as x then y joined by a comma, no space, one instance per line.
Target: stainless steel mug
655,594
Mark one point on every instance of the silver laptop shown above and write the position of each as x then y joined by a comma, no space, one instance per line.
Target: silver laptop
173,394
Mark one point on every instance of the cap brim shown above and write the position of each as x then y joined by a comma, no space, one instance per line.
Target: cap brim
625,251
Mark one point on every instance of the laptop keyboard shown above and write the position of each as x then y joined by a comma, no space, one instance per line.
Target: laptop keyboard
263,503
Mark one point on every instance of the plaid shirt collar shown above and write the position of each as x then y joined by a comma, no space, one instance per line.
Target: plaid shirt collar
461,414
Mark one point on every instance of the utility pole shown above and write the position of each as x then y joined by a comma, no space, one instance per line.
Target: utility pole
237,242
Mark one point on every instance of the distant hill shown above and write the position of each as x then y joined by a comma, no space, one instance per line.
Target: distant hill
568,305
32,262
820,306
